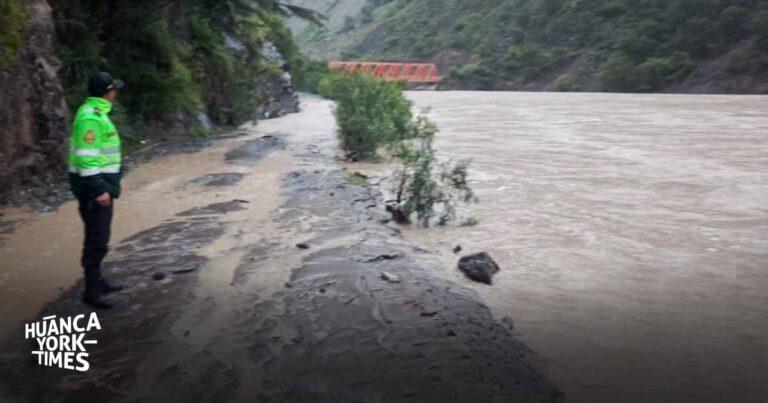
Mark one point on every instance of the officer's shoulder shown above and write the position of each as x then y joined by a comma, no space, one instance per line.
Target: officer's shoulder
86,111
90,119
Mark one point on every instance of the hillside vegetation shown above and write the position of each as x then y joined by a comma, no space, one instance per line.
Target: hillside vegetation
191,67
569,45
179,58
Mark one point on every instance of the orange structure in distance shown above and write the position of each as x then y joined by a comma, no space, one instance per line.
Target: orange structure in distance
413,73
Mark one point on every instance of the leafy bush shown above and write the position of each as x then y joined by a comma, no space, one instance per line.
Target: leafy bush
308,73
473,76
423,186
734,22
636,45
760,26
530,61
373,114
616,73
657,72
567,82
738,61
620,73
12,23
370,113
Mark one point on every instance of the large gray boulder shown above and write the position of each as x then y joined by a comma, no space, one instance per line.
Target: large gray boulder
479,267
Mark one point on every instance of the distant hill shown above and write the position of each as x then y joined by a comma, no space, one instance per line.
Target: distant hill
707,46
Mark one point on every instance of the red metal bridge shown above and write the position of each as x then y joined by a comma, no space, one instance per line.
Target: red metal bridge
413,73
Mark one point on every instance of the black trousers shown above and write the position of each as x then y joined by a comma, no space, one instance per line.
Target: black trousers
98,226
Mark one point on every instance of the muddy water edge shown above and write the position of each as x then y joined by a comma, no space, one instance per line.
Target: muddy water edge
221,304
632,232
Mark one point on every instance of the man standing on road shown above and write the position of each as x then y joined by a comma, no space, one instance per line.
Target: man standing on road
94,175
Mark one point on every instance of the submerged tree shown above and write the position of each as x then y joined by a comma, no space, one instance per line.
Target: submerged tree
422,185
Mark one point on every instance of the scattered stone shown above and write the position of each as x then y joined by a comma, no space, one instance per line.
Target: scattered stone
479,267
302,245
219,180
507,321
457,249
214,209
429,313
385,256
390,278
185,271
450,333
158,276
327,285
399,217
252,151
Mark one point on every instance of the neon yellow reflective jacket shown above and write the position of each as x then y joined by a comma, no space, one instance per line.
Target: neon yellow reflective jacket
94,151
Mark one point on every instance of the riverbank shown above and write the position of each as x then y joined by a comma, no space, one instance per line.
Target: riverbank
222,304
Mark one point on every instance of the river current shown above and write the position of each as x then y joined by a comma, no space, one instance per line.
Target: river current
632,232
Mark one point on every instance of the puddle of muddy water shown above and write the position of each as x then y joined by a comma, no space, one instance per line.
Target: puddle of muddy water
32,274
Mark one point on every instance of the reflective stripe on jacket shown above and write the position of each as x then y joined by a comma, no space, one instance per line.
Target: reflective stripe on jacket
94,151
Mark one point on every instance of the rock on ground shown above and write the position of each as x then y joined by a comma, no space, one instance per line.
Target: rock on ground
479,267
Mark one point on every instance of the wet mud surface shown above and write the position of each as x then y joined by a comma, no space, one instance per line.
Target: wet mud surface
217,180
48,193
222,305
252,151
6,226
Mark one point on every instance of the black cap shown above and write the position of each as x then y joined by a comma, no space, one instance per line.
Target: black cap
102,82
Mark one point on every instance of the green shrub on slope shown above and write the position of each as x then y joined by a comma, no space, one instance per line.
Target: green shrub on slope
12,23
370,113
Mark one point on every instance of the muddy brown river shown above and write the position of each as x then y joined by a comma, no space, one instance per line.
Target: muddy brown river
632,232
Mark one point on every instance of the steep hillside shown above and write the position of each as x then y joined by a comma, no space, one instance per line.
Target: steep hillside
190,66
571,45
324,42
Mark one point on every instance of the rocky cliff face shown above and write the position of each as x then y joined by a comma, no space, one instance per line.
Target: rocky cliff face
33,113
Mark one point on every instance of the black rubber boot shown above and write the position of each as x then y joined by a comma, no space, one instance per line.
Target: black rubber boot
107,287
92,295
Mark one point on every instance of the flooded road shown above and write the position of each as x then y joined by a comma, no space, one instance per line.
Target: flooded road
41,255
632,232
254,271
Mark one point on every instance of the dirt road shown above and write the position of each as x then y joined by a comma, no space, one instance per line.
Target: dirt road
222,304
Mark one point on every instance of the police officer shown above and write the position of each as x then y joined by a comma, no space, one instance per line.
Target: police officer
94,175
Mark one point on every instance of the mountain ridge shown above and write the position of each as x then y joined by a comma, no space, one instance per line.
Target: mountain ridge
690,46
